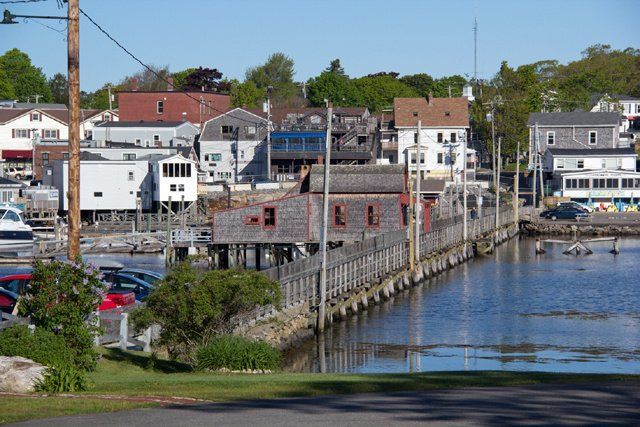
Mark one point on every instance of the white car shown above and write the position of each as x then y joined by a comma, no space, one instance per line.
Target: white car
18,173
585,208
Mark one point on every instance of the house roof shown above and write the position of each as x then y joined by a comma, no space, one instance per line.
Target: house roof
358,179
574,118
144,124
432,185
39,106
444,112
89,156
280,114
10,182
628,151
8,114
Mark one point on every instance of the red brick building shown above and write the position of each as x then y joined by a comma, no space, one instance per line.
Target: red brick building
170,105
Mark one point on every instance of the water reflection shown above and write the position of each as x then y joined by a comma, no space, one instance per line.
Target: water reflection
515,311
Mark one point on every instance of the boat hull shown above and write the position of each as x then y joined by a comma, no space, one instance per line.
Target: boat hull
15,237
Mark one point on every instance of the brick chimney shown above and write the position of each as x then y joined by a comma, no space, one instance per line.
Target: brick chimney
170,84
430,99
133,84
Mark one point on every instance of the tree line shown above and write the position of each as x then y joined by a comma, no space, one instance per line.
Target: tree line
511,94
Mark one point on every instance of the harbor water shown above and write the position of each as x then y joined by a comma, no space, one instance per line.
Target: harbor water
514,310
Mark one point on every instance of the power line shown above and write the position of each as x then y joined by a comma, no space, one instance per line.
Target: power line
20,1
154,72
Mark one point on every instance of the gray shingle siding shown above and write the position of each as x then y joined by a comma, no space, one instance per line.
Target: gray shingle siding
239,119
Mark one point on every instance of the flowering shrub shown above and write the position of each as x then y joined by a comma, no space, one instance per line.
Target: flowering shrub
61,298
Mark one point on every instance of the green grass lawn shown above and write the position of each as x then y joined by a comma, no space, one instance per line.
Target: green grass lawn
130,374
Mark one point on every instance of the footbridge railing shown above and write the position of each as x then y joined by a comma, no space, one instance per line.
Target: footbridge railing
353,266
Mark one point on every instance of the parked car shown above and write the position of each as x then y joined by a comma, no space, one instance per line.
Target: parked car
17,284
564,212
120,281
7,300
148,276
573,204
18,172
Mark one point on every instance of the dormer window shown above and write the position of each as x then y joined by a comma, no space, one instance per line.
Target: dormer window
415,114
447,113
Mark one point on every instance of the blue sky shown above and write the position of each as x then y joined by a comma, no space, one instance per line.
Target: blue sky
406,36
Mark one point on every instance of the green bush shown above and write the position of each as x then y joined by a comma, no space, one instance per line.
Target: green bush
63,379
60,299
41,346
192,307
237,353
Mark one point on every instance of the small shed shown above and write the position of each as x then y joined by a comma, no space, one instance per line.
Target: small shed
364,201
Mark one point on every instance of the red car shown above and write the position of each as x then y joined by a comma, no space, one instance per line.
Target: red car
17,283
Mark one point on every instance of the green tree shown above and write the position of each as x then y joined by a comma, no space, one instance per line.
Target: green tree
454,83
192,307
335,67
6,88
338,88
180,78
422,83
246,94
378,91
276,72
26,79
59,88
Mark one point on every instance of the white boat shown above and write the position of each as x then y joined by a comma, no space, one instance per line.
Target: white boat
13,230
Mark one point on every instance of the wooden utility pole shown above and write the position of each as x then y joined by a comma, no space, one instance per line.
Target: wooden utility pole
73,69
464,190
516,187
417,201
498,167
410,228
325,220
493,142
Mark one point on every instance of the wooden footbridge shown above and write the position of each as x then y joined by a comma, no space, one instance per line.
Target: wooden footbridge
378,267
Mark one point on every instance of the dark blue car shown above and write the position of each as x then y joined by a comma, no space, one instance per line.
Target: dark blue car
564,212
120,281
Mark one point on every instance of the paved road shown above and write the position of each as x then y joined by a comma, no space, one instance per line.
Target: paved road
616,403
602,218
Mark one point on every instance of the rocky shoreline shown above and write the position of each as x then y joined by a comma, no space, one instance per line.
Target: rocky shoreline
580,229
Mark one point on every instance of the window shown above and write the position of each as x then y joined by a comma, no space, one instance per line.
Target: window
241,154
593,137
156,138
630,182
165,170
560,164
138,141
551,138
440,158
339,216
35,117
183,170
373,215
50,133
226,130
160,107
269,217
440,137
422,158
128,156
107,117
188,175
65,156
181,187
316,120
413,158
45,159
453,136
415,137
580,164
21,133
131,176
252,220
612,183
250,130
173,187
598,183
97,194
224,175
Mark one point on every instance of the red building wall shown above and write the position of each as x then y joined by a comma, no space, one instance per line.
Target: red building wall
137,105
